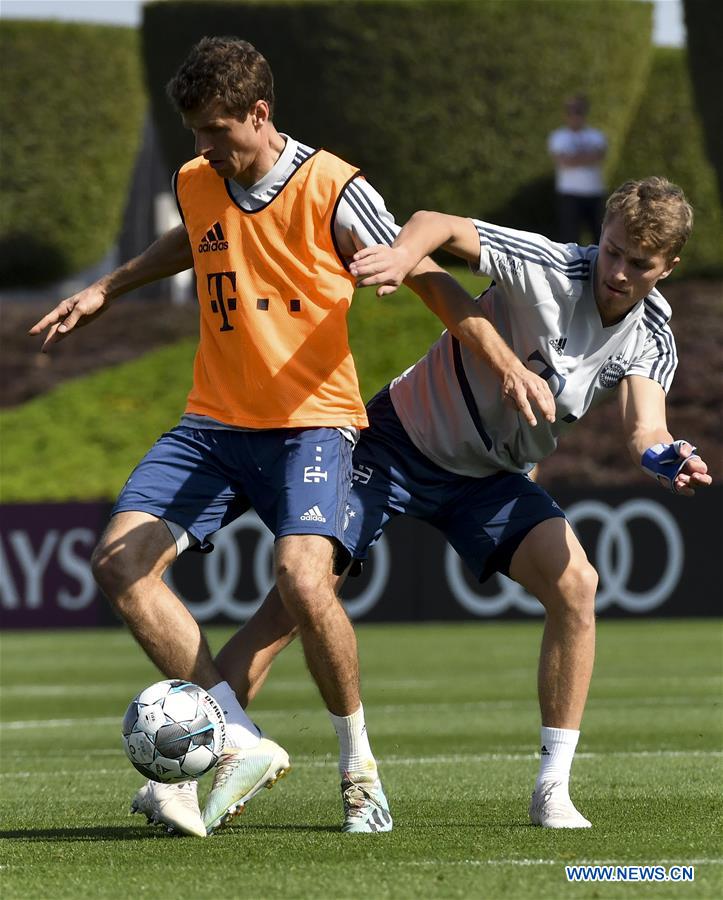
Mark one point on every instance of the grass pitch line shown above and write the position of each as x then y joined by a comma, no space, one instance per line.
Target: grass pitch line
314,762
57,723
281,686
512,757
531,703
544,862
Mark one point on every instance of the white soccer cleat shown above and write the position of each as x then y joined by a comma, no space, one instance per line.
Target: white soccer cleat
366,809
172,805
239,776
551,807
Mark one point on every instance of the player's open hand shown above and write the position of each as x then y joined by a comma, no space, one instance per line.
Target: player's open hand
524,388
694,474
75,311
382,265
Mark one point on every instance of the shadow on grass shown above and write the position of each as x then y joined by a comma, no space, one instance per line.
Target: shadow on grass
126,833
104,833
144,832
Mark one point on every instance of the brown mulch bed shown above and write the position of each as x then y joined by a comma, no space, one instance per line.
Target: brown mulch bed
127,330
594,453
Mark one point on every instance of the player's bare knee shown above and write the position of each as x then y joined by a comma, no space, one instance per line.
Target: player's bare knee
120,572
304,592
578,588
573,596
108,569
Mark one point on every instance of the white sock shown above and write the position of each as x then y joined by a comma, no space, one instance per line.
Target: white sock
241,732
557,749
355,754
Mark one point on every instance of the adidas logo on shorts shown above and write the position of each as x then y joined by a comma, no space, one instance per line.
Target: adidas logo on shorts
213,240
313,515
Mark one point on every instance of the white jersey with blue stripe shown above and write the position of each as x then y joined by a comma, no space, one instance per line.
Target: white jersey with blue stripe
542,303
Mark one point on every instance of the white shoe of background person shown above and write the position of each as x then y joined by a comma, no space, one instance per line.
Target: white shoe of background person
172,805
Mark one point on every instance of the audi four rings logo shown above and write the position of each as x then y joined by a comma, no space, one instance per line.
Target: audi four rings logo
612,556
613,561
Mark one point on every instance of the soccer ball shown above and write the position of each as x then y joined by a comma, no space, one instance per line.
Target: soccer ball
173,731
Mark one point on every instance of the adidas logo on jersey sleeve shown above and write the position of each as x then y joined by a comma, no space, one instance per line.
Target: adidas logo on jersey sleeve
558,344
213,240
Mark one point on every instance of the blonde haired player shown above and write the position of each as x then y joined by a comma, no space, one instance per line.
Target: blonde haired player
442,446
589,320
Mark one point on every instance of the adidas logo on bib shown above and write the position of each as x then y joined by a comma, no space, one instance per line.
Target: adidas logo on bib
313,515
213,240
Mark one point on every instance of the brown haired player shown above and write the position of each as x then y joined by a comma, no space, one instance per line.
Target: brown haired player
270,226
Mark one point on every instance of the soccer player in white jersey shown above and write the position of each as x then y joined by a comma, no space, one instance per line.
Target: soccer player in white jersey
442,446
269,191
588,320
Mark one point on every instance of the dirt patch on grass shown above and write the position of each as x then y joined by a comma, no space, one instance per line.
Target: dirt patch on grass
127,330
592,452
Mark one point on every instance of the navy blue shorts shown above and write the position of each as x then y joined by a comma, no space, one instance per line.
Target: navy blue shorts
297,480
484,519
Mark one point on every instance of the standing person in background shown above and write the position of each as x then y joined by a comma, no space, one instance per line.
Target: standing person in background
578,151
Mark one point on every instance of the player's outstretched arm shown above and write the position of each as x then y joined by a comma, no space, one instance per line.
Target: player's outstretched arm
424,233
170,254
464,319
673,463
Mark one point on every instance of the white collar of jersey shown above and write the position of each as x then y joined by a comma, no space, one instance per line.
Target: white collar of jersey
279,168
275,173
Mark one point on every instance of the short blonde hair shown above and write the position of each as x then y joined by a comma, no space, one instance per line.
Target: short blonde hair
655,214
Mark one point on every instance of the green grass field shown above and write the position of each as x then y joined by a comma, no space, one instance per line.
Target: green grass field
453,719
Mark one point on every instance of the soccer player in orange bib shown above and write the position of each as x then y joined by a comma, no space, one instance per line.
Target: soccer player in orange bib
269,226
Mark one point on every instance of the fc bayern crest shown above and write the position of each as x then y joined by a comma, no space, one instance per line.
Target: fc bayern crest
611,374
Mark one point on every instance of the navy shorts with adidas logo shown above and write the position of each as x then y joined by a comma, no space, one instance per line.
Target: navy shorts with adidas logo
484,519
297,480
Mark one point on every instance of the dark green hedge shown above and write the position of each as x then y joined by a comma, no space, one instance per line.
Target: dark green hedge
704,22
71,110
666,138
443,104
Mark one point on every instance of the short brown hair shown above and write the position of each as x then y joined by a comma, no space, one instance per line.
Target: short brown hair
655,213
224,69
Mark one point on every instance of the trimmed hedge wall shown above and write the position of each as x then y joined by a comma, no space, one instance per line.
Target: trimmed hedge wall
667,139
704,22
71,111
443,104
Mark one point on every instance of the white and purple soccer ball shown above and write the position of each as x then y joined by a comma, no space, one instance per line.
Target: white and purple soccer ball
173,731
